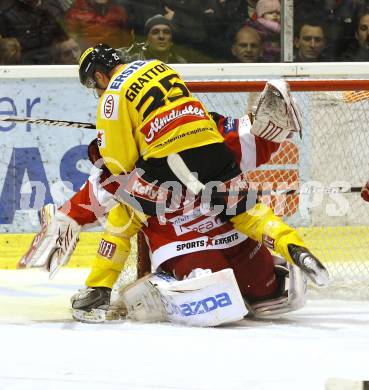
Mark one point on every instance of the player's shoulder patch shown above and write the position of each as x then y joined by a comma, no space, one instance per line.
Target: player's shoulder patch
109,106
230,125
127,72
101,139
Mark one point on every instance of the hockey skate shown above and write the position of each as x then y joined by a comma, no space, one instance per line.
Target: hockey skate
92,305
53,246
290,296
309,264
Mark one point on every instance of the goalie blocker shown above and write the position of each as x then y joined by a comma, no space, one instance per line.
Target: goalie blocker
53,246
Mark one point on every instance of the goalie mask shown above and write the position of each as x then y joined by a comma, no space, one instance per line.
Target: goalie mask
100,58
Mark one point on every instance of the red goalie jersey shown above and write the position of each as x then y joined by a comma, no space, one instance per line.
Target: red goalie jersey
194,240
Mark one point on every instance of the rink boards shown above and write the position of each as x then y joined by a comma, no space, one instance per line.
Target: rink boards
346,248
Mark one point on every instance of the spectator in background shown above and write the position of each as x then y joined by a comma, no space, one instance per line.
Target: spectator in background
10,51
139,12
35,26
219,18
310,42
247,45
187,18
268,25
159,42
359,49
66,51
339,25
336,15
205,27
97,21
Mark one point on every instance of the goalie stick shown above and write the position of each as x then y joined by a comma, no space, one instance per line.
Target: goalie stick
48,122
301,191
182,172
178,166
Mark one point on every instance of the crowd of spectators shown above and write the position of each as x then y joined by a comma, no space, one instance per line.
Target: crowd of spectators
179,31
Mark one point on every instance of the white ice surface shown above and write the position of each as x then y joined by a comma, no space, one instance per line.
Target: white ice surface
41,347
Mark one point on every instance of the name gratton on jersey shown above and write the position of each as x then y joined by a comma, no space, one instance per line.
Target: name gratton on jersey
147,110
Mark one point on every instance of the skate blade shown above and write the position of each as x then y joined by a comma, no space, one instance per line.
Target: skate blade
99,316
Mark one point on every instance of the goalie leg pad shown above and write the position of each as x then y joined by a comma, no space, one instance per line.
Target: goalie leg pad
292,295
277,116
142,299
208,299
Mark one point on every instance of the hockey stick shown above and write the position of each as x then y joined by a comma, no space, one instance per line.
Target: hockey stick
304,191
182,172
48,122
287,191
178,166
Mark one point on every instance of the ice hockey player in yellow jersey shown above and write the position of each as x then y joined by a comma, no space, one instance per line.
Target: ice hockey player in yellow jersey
152,104
146,115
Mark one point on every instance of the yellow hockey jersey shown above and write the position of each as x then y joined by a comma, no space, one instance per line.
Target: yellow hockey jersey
148,111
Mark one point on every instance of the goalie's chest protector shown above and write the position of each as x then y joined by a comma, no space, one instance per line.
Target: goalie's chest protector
187,234
148,111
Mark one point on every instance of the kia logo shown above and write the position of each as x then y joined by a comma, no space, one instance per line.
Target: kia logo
109,106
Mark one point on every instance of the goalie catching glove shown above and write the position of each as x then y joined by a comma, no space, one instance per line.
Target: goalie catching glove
53,246
277,116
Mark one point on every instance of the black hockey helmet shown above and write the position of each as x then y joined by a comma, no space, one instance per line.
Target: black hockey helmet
101,58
